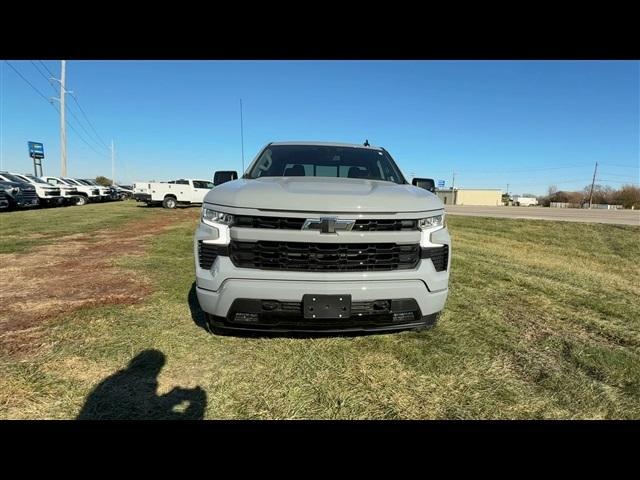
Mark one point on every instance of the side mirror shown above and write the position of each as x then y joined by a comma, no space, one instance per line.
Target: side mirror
224,176
426,183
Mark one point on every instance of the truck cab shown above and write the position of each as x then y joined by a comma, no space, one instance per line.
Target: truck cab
184,191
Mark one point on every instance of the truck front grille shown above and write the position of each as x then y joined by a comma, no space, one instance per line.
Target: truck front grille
207,254
52,193
327,257
289,223
28,194
438,255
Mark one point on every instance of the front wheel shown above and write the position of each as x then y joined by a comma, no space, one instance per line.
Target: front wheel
82,200
169,202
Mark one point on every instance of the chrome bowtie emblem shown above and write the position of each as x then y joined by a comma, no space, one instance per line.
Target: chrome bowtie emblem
328,224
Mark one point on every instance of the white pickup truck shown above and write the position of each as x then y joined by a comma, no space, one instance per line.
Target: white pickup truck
187,191
86,193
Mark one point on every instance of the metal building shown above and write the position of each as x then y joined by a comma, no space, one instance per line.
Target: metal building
471,196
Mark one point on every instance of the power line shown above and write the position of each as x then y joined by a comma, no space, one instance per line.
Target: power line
43,75
620,176
519,185
80,123
45,67
618,181
621,166
27,81
485,172
54,107
89,121
70,125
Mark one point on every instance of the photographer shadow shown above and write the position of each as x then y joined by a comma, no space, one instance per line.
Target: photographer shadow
131,393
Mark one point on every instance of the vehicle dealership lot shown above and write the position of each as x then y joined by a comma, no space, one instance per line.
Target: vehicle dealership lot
618,217
542,321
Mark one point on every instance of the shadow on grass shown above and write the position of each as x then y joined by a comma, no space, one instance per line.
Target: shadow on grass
131,393
198,317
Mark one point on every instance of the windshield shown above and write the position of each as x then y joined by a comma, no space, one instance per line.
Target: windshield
325,161
13,178
71,181
36,179
84,182
202,184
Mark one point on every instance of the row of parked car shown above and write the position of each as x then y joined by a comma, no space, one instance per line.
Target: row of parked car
19,191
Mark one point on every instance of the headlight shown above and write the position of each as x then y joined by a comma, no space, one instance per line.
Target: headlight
430,223
213,217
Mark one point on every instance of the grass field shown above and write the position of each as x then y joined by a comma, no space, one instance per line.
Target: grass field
542,321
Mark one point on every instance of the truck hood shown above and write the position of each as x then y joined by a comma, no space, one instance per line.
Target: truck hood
22,186
323,194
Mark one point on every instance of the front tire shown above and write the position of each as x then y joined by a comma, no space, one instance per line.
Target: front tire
169,202
82,200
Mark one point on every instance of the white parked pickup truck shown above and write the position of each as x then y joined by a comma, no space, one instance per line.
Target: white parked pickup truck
86,193
171,194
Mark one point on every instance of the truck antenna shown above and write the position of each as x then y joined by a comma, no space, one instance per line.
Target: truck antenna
366,143
241,136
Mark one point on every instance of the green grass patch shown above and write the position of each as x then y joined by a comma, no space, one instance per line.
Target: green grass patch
542,321
22,230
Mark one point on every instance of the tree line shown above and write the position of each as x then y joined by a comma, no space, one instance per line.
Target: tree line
628,196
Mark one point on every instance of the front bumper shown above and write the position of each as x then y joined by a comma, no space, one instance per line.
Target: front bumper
235,297
142,197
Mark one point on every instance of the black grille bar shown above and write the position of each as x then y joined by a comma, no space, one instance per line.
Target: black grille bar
29,194
438,255
329,257
289,223
207,253
269,222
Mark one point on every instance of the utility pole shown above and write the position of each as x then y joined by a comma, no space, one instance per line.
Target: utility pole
113,165
592,183
453,184
241,137
63,124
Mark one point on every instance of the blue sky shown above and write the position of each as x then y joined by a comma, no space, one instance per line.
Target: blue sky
528,124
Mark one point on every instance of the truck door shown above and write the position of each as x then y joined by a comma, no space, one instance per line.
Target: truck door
200,189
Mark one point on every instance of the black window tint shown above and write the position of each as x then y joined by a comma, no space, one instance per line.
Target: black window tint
325,161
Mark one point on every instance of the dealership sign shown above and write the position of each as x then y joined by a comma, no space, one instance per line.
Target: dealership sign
36,150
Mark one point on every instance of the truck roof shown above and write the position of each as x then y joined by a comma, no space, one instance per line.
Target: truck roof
327,144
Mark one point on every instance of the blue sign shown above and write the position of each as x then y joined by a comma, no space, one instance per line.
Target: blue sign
440,183
36,150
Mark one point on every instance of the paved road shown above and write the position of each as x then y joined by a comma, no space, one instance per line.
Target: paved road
620,217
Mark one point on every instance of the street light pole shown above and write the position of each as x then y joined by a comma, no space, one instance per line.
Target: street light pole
113,165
